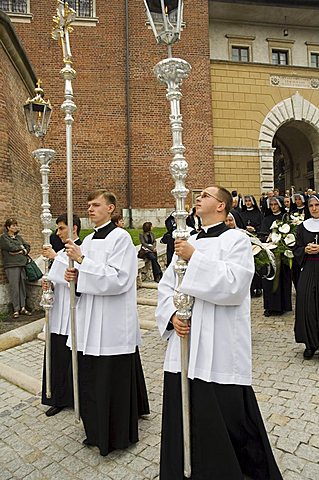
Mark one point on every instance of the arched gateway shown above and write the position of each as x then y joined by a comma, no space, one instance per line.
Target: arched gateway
289,145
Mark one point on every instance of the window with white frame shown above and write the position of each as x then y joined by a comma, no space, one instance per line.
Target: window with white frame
280,51
313,54
239,54
240,47
279,57
14,6
83,8
314,59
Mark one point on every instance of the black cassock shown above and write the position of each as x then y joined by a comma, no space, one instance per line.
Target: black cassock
61,374
307,293
227,442
61,368
112,397
278,301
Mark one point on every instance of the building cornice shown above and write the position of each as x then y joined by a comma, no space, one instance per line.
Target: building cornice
16,53
276,3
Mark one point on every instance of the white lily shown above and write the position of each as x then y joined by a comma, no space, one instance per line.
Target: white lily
274,225
271,246
275,237
290,240
256,249
285,228
288,253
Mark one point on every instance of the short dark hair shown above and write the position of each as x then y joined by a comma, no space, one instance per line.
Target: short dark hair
9,222
116,217
147,227
226,197
109,197
64,218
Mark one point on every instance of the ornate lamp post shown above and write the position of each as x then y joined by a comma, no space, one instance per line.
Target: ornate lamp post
165,18
37,113
61,29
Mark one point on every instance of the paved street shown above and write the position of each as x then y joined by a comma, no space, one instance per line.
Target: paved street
36,447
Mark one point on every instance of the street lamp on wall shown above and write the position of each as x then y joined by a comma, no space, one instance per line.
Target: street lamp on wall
165,18
37,113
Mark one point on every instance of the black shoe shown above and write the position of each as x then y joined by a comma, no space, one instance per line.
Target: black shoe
309,353
258,293
53,411
267,313
87,443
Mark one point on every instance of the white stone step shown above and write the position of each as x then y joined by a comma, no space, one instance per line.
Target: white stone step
151,285
146,301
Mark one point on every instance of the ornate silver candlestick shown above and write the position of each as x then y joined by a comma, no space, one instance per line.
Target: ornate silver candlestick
165,18
37,113
45,156
61,29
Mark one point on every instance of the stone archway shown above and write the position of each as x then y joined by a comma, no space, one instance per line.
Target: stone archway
294,108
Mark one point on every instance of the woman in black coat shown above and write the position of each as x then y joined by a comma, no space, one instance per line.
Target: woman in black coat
14,252
148,248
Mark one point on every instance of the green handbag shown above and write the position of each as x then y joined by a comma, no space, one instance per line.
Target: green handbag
32,270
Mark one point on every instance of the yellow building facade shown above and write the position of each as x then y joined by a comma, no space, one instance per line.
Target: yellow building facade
265,115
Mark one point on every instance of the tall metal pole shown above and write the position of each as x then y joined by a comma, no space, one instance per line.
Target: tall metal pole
172,71
45,156
61,29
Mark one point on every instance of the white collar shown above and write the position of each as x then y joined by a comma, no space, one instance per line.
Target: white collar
206,227
312,224
101,226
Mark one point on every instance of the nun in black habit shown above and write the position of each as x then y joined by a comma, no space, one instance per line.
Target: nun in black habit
251,215
298,203
279,301
306,253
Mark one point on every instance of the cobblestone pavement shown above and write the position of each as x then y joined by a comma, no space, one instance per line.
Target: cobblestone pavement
33,446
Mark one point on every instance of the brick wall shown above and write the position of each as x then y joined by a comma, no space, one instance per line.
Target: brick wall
100,129
20,191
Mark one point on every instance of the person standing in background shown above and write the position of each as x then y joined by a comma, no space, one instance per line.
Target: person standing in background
59,323
14,252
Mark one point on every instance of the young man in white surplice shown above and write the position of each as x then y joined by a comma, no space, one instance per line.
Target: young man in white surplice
228,437
59,323
111,380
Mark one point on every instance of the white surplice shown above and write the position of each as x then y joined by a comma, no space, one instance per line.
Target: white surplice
106,315
218,276
59,314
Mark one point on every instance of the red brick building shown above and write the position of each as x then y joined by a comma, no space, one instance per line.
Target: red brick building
20,190
121,129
